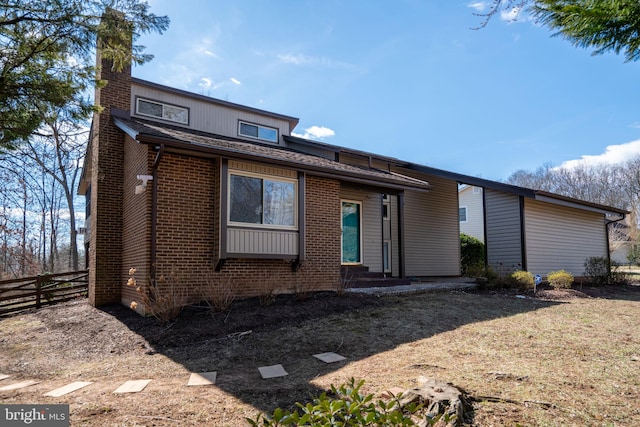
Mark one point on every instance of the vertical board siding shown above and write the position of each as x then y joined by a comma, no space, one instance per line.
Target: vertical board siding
432,236
474,226
207,116
504,243
559,237
262,242
371,225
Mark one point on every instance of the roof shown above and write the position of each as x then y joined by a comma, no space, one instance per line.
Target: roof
195,142
474,181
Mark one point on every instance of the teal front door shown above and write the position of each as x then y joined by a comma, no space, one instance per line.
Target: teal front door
351,232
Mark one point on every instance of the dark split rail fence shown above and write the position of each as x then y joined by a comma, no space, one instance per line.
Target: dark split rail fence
34,292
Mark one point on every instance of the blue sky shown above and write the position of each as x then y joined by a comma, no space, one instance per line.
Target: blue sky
408,79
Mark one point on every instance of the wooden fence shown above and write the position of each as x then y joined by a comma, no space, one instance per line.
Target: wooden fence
38,291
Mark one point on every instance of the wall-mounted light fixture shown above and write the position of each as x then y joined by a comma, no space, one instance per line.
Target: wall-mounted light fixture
142,187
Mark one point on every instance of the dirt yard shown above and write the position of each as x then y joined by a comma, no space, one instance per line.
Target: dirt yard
561,358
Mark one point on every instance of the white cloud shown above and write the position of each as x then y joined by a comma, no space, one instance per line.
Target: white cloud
209,53
510,15
205,83
613,154
235,81
305,60
315,132
480,6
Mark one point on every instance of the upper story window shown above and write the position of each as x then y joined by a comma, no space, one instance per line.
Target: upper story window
258,132
462,214
160,110
262,200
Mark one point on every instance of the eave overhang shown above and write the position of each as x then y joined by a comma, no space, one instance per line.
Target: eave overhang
211,146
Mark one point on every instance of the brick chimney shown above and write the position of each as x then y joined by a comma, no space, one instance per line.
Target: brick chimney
107,166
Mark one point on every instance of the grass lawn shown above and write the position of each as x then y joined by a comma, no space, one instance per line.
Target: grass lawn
570,360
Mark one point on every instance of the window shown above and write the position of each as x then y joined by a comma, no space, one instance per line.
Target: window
462,214
477,190
257,200
258,132
144,107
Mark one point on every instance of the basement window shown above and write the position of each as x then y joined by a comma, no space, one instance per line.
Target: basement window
263,133
159,110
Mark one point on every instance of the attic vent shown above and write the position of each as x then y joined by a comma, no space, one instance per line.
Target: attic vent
159,110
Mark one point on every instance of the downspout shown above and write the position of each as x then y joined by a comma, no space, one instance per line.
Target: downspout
154,215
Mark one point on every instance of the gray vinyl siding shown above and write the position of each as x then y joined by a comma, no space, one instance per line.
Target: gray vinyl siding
474,226
504,242
371,225
559,237
395,248
431,230
206,116
261,242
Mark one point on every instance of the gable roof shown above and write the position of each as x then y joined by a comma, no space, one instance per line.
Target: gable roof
205,144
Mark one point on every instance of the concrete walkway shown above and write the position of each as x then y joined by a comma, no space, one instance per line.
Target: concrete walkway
448,284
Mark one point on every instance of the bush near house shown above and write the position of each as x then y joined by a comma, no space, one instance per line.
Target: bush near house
560,279
603,271
522,279
471,255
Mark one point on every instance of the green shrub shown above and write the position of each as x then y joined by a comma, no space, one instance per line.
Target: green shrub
522,279
560,279
471,254
347,407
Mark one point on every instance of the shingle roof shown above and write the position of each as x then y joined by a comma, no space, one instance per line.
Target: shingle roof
147,132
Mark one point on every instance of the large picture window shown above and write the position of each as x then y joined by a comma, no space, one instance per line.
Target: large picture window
261,200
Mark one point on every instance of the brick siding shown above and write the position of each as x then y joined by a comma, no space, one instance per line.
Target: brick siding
187,238
107,163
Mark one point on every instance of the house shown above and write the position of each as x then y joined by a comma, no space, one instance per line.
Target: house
471,211
193,190
536,230
200,194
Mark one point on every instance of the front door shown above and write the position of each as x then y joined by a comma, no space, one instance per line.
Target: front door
351,232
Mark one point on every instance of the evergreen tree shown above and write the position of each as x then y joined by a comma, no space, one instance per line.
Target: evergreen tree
47,55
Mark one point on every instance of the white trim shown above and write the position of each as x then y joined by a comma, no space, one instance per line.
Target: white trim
466,214
276,178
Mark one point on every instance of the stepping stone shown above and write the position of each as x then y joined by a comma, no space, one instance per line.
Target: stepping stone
329,357
4,376
68,388
272,371
16,386
203,378
133,386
